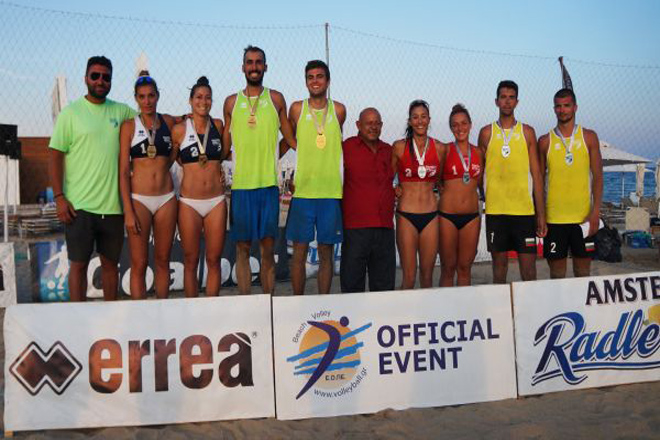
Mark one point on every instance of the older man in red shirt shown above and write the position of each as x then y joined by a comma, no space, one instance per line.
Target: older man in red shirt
368,209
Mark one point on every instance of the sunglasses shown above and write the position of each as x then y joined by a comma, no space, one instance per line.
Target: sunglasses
94,76
144,80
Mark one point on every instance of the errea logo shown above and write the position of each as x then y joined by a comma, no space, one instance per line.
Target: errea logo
35,368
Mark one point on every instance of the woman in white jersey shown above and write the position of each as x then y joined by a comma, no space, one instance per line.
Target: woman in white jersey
146,187
202,205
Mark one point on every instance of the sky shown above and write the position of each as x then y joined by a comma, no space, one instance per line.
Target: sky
383,53
620,32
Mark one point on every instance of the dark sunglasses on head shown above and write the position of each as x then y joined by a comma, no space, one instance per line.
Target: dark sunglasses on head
144,80
94,76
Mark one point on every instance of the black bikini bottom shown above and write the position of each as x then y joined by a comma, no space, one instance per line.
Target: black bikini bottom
419,221
459,220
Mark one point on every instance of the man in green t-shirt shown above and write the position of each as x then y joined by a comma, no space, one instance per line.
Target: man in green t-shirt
84,152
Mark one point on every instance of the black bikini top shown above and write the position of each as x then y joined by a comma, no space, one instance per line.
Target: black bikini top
140,142
189,151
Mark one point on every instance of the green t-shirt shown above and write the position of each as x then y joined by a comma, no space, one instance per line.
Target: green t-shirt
88,135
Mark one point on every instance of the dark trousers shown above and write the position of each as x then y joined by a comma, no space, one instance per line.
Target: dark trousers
369,250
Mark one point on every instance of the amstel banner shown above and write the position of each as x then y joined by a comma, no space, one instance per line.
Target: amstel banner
361,353
587,332
137,362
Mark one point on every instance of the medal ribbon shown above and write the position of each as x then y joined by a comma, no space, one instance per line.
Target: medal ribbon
202,145
466,168
151,135
506,138
420,160
569,147
253,108
320,129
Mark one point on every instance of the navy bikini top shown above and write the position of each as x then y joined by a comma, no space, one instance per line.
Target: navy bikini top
140,142
189,150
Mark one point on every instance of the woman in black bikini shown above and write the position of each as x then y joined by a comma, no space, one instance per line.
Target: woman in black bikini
202,205
146,156
418,160
458,208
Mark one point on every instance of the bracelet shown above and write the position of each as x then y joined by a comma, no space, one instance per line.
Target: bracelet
58,195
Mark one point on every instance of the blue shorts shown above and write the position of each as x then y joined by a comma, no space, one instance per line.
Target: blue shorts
254,213
306,215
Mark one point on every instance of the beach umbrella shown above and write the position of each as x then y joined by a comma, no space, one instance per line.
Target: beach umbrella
141,63
657,180
639,180
58,96
615,159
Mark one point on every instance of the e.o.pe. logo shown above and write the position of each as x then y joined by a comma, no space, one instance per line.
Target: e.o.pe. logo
328,357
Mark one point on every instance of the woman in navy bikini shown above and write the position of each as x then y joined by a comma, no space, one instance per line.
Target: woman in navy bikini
418,161
458,208
202,205
147,192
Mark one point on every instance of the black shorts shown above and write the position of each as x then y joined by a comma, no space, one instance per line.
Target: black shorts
511,233
87,230
561,238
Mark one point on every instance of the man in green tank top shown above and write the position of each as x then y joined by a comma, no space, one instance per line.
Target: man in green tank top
84,155
315,210
253,117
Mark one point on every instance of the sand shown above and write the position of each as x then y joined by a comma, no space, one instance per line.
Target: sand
620,412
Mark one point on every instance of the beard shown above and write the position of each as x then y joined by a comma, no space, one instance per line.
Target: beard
98,95
254,82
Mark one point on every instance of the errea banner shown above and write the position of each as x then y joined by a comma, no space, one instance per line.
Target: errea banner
137,362
361,353
587,332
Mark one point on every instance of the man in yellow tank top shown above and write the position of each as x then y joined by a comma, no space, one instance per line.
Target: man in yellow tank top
315,210
571,162
253,117
515,211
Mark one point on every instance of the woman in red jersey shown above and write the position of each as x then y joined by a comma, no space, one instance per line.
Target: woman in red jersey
147,192
458,208
418,161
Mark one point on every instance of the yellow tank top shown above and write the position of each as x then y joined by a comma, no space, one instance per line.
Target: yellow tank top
255,147
508,180
568,198
319,171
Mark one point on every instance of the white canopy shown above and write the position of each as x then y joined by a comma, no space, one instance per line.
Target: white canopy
614,156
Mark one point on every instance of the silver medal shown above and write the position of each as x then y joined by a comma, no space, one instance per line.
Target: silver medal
506,150
421,171
569,158
466,177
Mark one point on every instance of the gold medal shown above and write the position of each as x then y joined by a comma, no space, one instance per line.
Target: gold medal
151,151
320,140
203,158
252,121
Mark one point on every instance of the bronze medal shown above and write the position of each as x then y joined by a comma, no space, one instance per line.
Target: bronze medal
321,140
151,151
203,158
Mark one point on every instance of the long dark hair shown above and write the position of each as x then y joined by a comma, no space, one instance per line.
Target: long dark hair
409,130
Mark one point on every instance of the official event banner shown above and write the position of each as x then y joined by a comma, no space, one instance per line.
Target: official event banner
587,332
362,353
7,275
137,362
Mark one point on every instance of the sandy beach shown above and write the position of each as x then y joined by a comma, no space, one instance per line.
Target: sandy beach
620,412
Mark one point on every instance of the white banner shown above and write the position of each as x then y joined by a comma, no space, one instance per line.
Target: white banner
7,275
587,332
138,362
361,353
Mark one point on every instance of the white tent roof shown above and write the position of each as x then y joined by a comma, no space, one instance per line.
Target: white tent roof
614,156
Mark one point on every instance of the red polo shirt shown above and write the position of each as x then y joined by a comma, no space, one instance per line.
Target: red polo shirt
368,193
